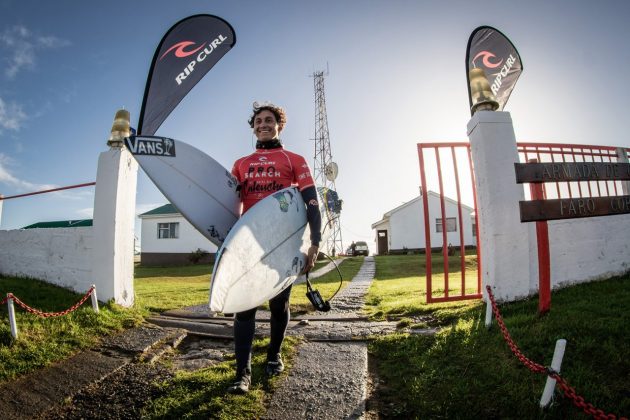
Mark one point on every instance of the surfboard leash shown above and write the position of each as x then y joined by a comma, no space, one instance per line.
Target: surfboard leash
315,297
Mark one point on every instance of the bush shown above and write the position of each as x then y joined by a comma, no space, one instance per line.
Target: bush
197,255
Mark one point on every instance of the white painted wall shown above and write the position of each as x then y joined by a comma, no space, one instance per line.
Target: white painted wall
450,209
189,238
61,256
114,217
587,249
76,258
405,224
581,250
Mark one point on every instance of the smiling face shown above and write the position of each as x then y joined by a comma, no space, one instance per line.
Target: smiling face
265,126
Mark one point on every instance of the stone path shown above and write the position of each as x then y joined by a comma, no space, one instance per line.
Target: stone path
35,393
329,380
329,377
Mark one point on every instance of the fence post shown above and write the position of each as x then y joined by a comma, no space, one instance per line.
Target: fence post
114,219
504,245
94,299
556,363
488,313
544,260
622,157
11,310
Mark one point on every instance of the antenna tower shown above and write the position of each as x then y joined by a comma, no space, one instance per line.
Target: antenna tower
323,168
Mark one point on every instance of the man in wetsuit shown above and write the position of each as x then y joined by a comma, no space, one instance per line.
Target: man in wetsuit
269,169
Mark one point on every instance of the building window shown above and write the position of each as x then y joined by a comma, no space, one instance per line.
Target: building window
474,229
451,224
168,230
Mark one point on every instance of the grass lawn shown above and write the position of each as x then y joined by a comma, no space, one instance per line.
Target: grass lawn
464,371
327,284
201,394
399,288
467,371
42,341
162,288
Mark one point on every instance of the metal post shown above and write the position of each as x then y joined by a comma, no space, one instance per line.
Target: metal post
14,330
488,312
556,362
94,299
544,260
622,157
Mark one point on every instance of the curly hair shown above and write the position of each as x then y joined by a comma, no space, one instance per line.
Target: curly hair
277,111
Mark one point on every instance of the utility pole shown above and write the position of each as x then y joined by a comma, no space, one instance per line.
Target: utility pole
325,173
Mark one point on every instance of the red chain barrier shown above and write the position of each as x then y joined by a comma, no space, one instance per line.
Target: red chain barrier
569,391
51,314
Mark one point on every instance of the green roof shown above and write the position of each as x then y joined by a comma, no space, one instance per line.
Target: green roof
60,224
165,209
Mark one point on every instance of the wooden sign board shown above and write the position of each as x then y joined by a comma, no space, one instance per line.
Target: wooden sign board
570,208
571,171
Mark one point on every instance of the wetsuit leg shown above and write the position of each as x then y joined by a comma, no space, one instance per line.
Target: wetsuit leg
244,328
280,316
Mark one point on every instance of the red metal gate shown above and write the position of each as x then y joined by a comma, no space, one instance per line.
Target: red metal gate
442,159
550,152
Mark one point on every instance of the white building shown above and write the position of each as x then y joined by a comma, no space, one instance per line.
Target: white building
402,229
168,238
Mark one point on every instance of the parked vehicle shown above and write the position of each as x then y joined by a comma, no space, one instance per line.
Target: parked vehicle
361,248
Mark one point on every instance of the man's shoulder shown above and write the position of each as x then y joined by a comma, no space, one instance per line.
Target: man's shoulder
291,154
242,158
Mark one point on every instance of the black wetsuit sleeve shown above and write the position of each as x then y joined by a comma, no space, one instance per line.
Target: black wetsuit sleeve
309,194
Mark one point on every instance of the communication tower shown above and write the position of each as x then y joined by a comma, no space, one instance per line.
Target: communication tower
325,171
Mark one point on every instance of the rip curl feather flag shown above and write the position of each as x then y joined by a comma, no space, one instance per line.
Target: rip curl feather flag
493,52
185,54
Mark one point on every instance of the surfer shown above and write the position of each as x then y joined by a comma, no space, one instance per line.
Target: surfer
267,170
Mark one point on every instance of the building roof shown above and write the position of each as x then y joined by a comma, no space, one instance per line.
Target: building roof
60,224
410,202
165,209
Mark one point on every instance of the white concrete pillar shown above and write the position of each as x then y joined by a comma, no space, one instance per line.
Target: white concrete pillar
114,216
505,252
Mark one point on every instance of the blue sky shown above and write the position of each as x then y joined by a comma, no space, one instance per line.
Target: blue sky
396,78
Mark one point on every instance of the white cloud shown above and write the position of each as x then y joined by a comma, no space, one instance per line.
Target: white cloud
11,116
22,46
86,213
7,178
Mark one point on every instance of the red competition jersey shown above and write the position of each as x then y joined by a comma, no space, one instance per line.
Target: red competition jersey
268,170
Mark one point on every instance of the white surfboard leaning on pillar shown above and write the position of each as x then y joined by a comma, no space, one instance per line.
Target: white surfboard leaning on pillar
201,189
262,255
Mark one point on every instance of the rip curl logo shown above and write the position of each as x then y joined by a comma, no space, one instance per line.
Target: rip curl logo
180,49
486,57
186,48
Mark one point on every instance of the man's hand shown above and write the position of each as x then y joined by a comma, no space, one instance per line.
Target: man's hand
311,257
